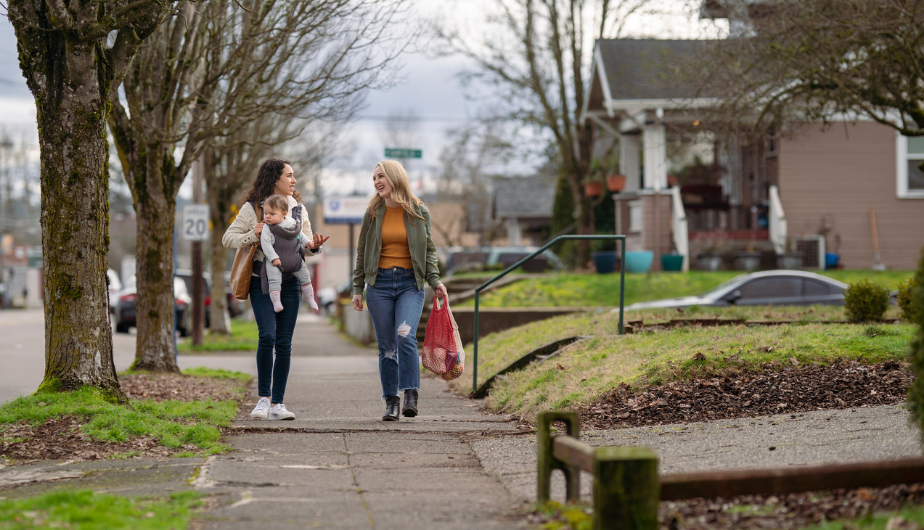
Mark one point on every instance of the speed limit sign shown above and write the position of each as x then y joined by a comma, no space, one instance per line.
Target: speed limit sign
195,222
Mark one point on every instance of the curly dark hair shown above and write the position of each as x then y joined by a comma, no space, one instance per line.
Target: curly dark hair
265,184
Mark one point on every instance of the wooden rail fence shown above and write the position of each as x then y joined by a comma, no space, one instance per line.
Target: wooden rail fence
627,488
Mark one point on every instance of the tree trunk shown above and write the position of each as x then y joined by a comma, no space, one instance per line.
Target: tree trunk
154,254
220,216
71,112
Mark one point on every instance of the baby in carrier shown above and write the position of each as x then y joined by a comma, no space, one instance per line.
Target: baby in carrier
282,243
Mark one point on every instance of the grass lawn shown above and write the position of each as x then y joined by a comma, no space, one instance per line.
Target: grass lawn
244,336
88,510
602,290
170,423
584,371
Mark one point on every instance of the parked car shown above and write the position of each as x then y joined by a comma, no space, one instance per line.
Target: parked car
124,316
115,285
778,287
186,276
476,259
235,306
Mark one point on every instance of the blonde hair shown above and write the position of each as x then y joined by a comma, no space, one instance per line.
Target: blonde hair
276,202
400,189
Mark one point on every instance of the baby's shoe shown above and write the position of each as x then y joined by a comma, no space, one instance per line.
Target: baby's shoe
277,301
308,296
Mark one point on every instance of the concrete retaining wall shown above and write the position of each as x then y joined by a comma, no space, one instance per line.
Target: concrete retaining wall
357,324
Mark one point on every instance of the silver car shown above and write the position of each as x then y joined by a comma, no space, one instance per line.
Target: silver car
780,287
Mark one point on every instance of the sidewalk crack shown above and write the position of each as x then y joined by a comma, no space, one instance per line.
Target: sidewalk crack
359,490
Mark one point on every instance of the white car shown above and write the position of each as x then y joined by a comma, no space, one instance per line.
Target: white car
115,285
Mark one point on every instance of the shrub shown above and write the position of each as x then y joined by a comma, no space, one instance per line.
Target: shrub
916,352
865,301
906,301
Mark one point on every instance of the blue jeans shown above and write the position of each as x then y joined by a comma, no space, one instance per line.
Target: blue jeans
275,333
395,304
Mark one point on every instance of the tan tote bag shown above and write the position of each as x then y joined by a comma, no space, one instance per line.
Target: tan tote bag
242,269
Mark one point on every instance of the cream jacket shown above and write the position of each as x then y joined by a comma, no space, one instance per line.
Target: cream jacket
242,233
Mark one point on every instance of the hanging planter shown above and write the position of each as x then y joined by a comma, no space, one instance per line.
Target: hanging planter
615,182
593,189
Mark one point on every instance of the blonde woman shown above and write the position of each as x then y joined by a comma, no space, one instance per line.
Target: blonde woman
395,259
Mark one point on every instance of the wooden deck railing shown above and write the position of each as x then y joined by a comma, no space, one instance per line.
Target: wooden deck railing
627,487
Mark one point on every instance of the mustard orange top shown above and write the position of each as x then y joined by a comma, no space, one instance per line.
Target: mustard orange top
395,249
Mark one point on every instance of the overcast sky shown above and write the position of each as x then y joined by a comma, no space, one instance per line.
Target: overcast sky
430,88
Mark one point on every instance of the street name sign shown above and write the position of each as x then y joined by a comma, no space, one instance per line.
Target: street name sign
345,210
392,152
195,226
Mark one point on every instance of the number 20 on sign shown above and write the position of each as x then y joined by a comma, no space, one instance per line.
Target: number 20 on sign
195,226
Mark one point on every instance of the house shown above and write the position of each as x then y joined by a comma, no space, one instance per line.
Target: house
524,206
844,188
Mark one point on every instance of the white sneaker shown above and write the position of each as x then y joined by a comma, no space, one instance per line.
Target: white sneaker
261,411
279,412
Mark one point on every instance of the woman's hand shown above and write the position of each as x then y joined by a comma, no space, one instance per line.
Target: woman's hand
317,241
440,292
358,302
258,229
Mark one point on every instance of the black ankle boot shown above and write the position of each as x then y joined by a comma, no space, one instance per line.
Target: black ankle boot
391,408
410,403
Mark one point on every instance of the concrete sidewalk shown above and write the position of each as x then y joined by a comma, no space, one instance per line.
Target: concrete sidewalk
339,466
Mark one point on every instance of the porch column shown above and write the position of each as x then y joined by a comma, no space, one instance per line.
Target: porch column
655,156
514,233
630,161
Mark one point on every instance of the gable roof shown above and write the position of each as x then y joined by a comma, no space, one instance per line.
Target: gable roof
646,69
523,197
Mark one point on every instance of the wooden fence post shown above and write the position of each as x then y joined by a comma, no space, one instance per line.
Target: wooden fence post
547,461
626,488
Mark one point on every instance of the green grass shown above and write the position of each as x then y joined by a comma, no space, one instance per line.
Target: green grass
602,290
172,424
584,371
88,510
244,336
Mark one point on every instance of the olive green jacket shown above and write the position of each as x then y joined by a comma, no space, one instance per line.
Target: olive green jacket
369,249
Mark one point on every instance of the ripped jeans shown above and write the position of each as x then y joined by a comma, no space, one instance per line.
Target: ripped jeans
395,304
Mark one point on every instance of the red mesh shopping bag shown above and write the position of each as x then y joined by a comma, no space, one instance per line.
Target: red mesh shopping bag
442,349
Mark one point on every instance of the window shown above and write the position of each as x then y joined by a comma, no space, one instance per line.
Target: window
813,288
910,177
772,288
635,216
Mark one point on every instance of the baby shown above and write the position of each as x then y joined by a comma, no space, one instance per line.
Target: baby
281,242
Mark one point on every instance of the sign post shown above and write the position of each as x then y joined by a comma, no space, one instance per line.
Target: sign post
348,211
195,222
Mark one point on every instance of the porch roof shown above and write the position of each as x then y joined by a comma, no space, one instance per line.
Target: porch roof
642,73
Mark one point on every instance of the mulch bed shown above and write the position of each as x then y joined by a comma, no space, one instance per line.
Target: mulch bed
162,387
61,438
795,510
795,388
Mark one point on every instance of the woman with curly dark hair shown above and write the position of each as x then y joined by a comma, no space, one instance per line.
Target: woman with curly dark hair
275,177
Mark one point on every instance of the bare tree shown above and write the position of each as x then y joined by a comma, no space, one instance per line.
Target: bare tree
812,60
475,153
208,74
537,61
74,55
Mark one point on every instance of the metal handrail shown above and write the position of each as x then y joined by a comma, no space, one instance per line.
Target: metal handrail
622,284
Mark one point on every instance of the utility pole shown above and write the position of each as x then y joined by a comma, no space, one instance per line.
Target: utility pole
197,283
5,145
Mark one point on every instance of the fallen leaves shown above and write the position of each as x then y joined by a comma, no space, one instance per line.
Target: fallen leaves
795,510
796,388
